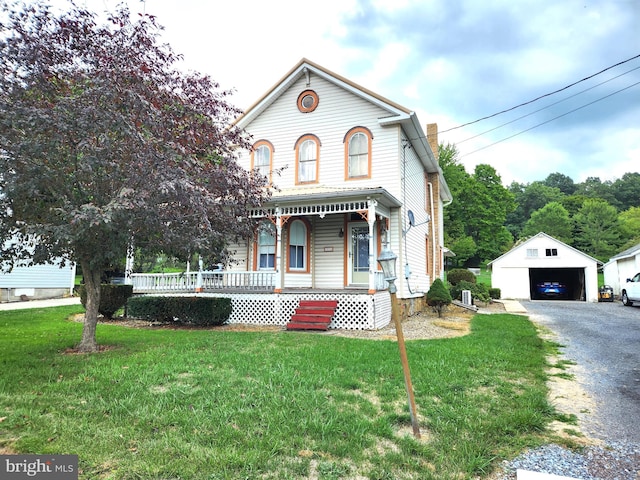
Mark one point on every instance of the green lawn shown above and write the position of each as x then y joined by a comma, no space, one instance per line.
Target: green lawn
211,404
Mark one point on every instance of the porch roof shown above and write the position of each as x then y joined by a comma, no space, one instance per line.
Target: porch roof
321,193
322,199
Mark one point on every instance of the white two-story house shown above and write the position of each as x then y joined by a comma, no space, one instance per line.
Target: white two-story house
351,172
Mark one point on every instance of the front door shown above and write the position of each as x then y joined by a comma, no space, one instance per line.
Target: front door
358,254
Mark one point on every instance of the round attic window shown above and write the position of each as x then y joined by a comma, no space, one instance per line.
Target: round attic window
307,101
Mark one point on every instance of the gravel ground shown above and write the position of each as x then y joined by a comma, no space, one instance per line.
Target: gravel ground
615,461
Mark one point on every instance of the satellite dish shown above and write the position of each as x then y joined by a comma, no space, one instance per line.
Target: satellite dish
412,220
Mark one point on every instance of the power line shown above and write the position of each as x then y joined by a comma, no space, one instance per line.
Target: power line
541,96
550,120
548,106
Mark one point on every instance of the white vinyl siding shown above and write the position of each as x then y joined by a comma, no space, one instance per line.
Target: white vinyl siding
38,276
329,253
282,125
415,199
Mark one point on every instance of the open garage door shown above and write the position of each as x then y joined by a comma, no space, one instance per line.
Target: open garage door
557,284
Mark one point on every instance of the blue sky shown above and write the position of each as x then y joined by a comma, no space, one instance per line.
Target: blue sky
452,62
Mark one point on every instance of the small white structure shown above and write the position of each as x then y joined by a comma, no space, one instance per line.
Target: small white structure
540,259
30,282
620,267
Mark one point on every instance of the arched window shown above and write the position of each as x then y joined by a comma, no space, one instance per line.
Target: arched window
307,154
266,246
358,153
262,158
298,248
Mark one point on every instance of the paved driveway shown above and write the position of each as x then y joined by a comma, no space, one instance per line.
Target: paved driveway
604,339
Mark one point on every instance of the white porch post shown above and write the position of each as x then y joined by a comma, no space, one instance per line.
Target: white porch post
278,266
128,268
199,277
371,219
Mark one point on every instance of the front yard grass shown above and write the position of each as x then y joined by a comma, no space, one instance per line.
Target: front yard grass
211,404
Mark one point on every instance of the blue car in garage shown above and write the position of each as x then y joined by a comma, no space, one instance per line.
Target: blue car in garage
552,289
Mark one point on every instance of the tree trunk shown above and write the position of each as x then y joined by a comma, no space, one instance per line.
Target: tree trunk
89,342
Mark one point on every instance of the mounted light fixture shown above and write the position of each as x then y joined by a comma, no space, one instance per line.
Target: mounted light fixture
387,261
341,233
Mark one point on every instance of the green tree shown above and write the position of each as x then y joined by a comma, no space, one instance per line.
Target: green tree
529,198
626,190
478,211
552,219
464,248
593,187
492,202
104,142
598,229
459,182
630,226
562,182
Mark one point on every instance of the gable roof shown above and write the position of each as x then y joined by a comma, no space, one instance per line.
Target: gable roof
629,252
548,237
397,114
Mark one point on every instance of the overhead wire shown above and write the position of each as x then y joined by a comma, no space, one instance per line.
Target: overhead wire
548,106
542,96
551,119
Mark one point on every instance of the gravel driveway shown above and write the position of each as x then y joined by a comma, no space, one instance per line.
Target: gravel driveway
604,341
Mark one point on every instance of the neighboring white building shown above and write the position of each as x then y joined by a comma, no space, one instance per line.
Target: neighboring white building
543,258
37,282
620,267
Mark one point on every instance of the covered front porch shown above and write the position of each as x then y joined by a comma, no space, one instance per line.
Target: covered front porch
322,245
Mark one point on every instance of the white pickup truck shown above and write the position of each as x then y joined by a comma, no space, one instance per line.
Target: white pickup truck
631,291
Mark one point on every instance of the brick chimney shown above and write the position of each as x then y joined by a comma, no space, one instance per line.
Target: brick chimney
432,138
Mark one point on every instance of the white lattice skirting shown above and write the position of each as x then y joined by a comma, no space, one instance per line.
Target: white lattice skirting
354,312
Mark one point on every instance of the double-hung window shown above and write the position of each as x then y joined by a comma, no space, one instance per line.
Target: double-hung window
298,246
358,153
262,158
266,246
307,154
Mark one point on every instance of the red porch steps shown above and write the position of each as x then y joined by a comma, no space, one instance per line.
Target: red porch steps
313,315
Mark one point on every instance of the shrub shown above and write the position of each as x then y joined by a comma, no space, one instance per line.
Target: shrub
458,275
438,296
479,291
112,298
192,310
495,293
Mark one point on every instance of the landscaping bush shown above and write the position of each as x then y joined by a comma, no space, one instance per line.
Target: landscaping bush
479,291
112,298
495,293
201,311
458,275
438,296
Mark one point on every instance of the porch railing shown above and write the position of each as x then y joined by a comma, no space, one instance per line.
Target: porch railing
202,281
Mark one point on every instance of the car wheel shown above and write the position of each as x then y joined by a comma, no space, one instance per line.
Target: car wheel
625,300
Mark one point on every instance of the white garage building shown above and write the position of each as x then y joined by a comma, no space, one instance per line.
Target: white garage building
543,258
620,267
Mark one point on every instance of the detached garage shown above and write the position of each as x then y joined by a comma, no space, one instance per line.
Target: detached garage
543,267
